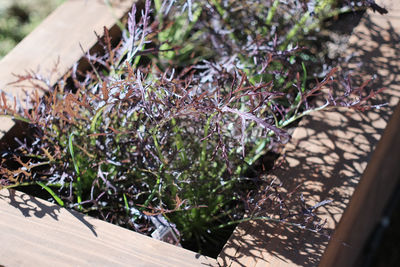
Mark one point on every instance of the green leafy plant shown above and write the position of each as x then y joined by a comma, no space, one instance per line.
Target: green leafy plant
169,124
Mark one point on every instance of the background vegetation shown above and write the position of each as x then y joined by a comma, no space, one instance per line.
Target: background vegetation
20,17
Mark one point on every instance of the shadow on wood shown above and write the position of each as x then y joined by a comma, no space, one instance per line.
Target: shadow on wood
325,160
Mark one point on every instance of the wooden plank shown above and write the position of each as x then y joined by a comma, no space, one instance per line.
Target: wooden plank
58,39
365,209
35,232
327,156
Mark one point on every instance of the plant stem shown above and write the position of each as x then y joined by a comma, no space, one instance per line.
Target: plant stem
271,12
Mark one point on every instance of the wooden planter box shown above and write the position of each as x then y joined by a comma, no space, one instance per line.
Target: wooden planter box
348,157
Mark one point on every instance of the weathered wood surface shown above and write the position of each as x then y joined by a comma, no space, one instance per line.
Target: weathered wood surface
35,232
58,39
328,157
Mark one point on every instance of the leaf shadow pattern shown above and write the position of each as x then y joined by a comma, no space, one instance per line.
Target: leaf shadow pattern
33,207
326,158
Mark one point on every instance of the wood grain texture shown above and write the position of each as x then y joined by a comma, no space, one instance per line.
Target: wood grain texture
367,204
35,232
328,157
57,39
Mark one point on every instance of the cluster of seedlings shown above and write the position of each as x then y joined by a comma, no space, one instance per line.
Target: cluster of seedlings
170,126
